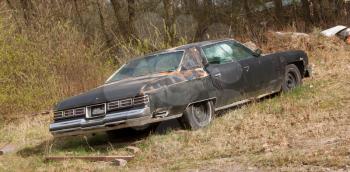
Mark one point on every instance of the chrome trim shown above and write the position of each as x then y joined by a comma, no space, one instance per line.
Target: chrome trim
244,101
231,105
109,78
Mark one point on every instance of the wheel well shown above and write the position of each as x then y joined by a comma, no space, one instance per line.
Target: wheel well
201,101
300,66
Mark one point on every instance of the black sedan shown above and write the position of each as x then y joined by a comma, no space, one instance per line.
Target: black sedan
189,83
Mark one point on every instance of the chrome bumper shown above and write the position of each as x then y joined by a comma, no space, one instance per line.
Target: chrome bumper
111,121
308,71
107,122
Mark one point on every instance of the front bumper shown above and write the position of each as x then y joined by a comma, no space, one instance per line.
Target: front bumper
111,121
308,71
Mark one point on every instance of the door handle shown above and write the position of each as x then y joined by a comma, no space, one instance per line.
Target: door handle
246,68
217,75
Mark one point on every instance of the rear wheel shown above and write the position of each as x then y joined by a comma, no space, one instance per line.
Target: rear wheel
198,115
292,78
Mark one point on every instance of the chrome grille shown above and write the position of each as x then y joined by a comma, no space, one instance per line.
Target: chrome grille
113,105
58,114
139,100
79,112
125,103
68,113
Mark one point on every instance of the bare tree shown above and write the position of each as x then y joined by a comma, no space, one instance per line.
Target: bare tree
102,24
125,23
28,11
278,12
169,18
78,13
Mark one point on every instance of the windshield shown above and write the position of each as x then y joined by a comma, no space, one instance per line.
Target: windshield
157,63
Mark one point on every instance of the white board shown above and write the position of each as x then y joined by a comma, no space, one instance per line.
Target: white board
333,31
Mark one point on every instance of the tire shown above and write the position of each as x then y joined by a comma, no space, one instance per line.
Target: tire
197,115
292,78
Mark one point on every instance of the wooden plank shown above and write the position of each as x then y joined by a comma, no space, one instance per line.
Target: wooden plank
133,149
88,158
120,162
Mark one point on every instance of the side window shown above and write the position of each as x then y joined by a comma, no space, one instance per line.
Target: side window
218,53
192,59
225,52
240,52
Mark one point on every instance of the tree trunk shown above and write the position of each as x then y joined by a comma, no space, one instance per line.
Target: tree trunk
204,15
27,11
278,11
125,24
248,13
102,24
169,20
80,19
306,12
14,13
316,11
131,19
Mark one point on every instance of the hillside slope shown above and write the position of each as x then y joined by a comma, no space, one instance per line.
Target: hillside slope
307,129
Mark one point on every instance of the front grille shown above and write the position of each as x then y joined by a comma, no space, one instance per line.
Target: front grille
113,105
79,112
58,114
124,103
100,110
140,100
68,113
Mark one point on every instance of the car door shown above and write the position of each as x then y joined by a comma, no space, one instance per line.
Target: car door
273,73
260,72
225,72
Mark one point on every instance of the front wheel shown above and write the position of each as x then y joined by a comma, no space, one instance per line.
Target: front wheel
292,78
198,115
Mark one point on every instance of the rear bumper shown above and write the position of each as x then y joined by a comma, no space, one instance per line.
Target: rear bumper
111,121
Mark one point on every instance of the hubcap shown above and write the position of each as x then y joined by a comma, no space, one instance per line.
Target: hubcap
200,112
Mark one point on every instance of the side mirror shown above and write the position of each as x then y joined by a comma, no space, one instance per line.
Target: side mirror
257,52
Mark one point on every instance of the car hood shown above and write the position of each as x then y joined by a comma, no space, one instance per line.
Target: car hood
108,92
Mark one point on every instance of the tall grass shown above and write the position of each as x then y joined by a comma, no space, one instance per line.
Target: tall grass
41,66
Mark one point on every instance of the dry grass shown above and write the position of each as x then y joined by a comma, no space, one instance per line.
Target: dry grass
307,129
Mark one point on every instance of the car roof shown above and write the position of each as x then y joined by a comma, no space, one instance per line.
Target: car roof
184,47
190,45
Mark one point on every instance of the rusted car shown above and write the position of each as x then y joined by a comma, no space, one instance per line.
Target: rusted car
188,83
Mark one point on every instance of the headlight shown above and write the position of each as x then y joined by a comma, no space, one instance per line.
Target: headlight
96,110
